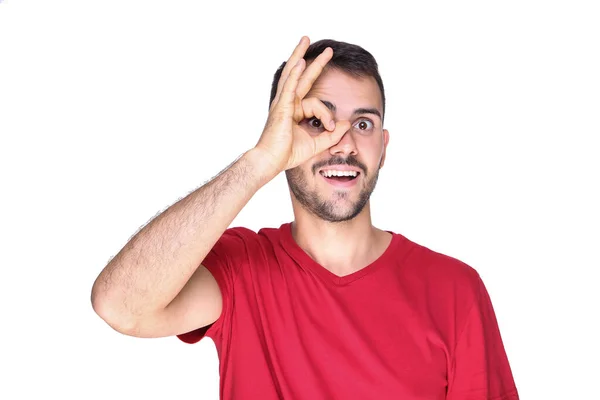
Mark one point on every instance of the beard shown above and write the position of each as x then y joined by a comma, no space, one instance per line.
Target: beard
329,209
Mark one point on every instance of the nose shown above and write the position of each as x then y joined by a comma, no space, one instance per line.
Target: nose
346,145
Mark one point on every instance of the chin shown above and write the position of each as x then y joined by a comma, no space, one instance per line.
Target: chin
332,212
336,206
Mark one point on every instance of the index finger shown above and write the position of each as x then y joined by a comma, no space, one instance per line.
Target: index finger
313,71
297,54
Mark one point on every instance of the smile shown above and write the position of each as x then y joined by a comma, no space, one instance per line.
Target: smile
338,178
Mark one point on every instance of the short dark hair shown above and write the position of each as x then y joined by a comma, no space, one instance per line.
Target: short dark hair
348,58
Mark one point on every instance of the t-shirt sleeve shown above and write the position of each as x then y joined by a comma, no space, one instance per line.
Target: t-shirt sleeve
223,262
480,369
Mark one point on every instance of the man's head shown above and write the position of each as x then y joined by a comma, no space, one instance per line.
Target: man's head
351,87
348,58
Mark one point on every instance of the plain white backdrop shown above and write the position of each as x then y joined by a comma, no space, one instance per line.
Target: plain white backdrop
111,111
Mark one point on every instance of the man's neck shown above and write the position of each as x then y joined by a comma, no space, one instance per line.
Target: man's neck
341,247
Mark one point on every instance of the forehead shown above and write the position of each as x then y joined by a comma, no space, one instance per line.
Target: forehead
347,92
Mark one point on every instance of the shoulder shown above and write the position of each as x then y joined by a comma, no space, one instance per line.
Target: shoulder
449,267
234,237
240,231
247,233
444,287
234,244
243,238
443,274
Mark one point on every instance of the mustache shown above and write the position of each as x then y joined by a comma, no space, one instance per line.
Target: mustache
337,160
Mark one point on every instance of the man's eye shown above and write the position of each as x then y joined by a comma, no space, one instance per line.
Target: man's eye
315,123
364,125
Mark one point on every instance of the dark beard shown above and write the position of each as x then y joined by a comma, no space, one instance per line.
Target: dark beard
325,209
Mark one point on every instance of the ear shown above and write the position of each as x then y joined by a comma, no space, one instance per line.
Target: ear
386,140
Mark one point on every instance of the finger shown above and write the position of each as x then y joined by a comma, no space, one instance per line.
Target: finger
313,107
327,139
286,103
313,71
296,56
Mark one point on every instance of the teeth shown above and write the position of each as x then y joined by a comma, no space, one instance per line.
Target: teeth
330,173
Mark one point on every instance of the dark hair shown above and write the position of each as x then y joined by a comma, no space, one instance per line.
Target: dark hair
349,58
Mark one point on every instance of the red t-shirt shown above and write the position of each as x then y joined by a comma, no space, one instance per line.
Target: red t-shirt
413,325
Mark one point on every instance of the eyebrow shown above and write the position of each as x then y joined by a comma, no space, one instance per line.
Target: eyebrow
357,111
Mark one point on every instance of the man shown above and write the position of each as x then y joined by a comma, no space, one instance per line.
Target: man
325,307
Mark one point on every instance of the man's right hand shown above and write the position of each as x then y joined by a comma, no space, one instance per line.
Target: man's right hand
284,143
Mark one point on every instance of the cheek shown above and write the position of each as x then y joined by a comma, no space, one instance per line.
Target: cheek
371,150
295,174
303,174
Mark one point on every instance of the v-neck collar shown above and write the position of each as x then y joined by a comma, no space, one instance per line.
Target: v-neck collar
296,252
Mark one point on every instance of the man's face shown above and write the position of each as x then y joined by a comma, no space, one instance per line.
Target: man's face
361,149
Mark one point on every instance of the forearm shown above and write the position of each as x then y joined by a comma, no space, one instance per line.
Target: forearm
152,268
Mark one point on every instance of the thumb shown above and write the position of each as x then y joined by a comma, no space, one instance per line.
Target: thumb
327,139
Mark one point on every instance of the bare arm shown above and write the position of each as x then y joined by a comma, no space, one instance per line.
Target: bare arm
155,286
155,265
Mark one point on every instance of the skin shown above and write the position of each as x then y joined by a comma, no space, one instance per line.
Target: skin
333,225
154,286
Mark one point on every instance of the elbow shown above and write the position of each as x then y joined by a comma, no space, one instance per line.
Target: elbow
114,316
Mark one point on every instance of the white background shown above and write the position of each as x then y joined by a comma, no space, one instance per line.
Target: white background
110,111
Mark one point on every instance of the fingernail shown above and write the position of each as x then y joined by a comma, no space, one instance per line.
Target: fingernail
331,125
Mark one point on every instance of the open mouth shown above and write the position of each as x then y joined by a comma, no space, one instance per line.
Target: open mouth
340,176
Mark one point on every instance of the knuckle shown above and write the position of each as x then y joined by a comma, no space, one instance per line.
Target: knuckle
306,105
312,103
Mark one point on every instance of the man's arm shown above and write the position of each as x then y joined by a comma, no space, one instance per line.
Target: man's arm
133,291
155,286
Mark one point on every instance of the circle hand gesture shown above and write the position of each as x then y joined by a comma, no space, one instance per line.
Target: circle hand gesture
284,142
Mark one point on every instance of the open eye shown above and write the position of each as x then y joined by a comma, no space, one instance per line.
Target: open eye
364,125
315,123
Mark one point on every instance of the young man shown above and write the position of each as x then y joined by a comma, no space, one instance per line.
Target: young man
325,307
